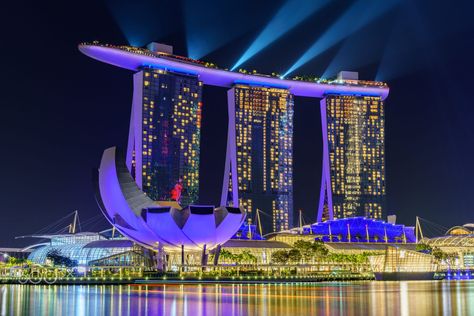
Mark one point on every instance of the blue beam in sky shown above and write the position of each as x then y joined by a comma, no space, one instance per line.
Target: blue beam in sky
356,17
292,13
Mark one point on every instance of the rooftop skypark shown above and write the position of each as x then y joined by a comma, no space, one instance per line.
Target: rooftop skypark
145,51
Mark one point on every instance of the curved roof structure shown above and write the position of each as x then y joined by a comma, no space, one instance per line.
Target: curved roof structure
452,241
144,221
466,229
134,58
83,252
357,229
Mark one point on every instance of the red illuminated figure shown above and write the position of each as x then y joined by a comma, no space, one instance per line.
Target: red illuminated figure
176,191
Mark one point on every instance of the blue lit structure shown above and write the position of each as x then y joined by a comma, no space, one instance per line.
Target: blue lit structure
359,229
248,232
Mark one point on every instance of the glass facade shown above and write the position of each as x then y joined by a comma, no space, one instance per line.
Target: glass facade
263,153
355,156
171,124
82,249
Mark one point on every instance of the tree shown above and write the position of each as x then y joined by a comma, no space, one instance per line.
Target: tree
424,248
350,258
59,260
310,250
280,257
294,255
226,255
247,257
440,255
319,249
305,249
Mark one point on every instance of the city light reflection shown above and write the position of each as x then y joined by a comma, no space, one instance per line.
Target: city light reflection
354,298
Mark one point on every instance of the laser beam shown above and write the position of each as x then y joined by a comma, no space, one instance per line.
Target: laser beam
292,13
357,16
354,52
137,20
212,24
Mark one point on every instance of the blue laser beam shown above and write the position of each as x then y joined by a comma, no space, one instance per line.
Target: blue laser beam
137,20
292,13
356,17
212,24
361,49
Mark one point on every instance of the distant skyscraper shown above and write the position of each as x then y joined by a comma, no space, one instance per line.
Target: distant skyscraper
259,162
164,138
353,181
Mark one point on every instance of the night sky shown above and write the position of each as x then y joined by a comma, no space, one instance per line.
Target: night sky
61,109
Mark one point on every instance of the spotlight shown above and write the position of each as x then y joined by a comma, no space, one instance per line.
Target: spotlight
292,13
357,16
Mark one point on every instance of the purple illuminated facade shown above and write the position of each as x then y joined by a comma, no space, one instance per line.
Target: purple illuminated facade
158,225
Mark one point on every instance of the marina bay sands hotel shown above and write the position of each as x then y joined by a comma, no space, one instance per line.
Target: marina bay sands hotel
163,151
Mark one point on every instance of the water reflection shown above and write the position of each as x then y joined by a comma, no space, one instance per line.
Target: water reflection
355,298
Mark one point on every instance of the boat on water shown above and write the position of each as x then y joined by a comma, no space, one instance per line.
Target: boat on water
398,264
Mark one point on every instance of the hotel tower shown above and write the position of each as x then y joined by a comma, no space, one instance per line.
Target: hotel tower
258,171
353,178
164,137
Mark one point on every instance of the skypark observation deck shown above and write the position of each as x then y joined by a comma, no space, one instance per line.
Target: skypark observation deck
134,58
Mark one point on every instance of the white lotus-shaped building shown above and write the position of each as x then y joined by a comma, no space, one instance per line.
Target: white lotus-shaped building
154,224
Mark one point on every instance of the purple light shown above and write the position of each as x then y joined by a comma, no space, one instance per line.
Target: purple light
222,78
141,219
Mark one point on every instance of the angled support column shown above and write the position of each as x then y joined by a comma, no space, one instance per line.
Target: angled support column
231,155
135,130
325,196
